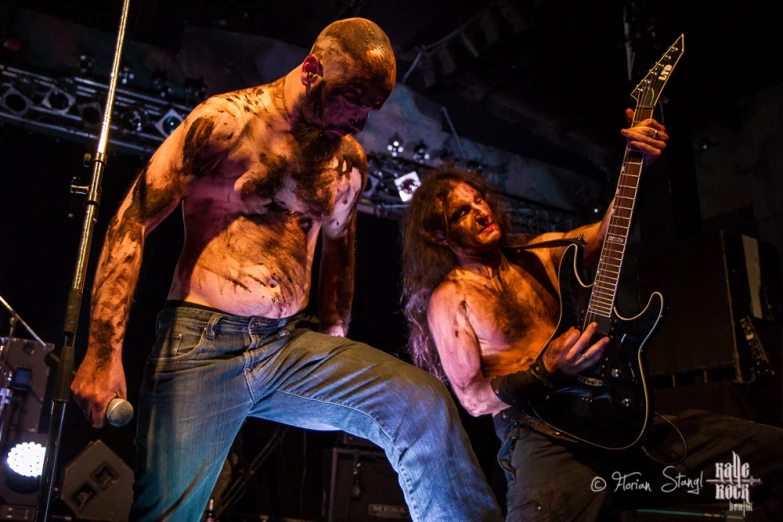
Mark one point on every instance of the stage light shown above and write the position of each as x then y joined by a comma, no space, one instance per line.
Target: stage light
17,97
421,152
407,185
86,64
169,122
395,147
195,90
60,97
373,179
161,83
26,459
126,74
134,119
91,114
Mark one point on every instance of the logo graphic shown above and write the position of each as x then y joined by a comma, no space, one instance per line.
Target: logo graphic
733,482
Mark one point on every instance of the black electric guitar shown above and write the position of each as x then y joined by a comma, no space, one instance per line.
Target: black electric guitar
608,405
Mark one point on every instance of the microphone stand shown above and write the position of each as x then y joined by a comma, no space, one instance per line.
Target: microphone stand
62,383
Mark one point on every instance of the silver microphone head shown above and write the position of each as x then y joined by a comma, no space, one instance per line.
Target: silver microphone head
119,412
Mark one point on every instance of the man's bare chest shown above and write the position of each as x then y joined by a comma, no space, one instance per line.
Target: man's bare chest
282,180
513,306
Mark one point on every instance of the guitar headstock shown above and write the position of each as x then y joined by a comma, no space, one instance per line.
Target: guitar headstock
649,89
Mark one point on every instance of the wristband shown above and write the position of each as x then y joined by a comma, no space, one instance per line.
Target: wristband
514,389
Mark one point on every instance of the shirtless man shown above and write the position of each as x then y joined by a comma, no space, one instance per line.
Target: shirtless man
480,315
259,173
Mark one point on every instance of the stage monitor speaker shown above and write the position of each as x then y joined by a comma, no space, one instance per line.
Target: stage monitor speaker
711,285
363,487
98,485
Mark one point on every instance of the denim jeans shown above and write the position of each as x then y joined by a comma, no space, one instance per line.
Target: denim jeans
208,371
553,480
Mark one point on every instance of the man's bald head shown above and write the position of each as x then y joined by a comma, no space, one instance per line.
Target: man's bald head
360,48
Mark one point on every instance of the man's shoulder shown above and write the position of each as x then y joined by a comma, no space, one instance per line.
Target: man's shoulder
353,151
449,291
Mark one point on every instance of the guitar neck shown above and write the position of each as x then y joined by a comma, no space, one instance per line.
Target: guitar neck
608,275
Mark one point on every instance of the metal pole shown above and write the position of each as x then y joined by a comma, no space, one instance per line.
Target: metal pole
62,384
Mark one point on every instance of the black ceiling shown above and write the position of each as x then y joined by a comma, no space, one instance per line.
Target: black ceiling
554,90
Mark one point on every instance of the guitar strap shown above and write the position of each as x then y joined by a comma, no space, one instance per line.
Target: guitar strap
511,418
520,242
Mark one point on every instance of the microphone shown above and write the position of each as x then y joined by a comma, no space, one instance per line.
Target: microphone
119,412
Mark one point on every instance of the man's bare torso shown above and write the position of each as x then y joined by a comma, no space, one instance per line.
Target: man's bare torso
252,222
513,310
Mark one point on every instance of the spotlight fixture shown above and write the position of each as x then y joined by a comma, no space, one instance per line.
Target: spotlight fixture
161,83
26,459
475,166
14,99
407,185
87,65
60,97
421,152
395,147
134,119
170,121
195,90
595,208
91,114
373,179
126,73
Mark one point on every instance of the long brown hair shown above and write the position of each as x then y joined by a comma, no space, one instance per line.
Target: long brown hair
426,262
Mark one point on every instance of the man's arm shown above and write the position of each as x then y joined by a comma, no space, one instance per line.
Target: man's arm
190,152
336,281
460,355
459,350
648,136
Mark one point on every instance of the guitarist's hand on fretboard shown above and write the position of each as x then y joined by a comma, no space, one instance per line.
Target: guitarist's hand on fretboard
569,354
648,136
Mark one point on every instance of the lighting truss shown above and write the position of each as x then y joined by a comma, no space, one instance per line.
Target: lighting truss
382,196
72,108
68,108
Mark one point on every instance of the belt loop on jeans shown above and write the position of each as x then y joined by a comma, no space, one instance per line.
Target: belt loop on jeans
210,331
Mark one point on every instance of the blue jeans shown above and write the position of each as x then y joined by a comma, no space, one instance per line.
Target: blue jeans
208,371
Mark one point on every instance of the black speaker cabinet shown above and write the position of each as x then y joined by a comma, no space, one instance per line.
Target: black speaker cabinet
362,487
98,485
710,285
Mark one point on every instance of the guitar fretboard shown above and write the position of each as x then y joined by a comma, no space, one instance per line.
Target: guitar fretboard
608,275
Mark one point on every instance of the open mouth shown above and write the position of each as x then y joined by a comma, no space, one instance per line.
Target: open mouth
489,228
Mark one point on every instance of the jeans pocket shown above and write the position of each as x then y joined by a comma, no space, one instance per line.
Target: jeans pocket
178,343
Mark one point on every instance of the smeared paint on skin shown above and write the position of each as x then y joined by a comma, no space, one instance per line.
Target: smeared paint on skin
195,158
